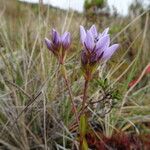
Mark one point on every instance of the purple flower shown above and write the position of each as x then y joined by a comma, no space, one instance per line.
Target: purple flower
96,47
59,44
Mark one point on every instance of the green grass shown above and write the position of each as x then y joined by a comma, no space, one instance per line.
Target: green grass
35,111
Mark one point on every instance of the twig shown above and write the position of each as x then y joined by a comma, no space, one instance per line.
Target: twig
25,109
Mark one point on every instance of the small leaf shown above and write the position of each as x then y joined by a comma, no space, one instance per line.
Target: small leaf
84,145
83,125
116,95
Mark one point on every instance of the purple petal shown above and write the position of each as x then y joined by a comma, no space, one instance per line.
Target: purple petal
102,43
55,37
89,41
82,34
99,36
94,30
110,51
66,40
64,36
48,44
105,32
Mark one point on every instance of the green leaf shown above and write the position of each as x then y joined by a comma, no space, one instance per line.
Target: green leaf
84,145
83,125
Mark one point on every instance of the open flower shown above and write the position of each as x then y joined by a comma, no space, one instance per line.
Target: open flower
59,44
96,48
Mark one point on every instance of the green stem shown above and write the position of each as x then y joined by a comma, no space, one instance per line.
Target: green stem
84,95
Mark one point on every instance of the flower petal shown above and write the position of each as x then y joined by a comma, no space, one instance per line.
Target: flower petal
82,34
55,37
89,41
102,43
94,30
105,32
66,40
64,36
48,44
110,51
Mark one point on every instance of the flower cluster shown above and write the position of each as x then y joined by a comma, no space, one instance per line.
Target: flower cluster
96,48
59,44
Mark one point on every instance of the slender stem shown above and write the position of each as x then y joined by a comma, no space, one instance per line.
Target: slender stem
84,95
70,93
